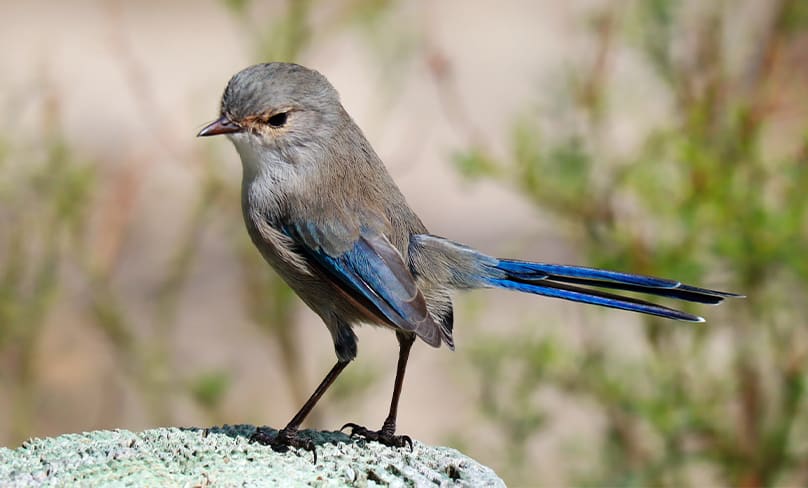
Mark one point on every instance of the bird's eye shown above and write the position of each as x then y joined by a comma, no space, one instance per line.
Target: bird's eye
278,120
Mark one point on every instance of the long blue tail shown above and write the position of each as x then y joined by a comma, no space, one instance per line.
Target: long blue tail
576,283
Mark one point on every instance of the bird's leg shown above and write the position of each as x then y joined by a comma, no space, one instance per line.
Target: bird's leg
386,435
287,437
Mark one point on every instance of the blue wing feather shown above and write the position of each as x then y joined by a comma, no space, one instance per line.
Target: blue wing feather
362,271
373,271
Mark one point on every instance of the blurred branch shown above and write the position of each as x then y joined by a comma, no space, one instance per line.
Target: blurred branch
455,111
156,120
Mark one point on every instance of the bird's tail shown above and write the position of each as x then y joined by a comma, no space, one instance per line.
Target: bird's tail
574,283
580,284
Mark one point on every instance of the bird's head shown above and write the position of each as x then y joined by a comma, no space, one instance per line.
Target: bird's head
276,106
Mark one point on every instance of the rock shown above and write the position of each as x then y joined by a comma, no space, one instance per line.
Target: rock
223,456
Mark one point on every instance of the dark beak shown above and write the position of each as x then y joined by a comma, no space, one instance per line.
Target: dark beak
222,125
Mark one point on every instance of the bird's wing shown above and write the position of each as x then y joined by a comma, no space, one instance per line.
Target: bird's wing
372,272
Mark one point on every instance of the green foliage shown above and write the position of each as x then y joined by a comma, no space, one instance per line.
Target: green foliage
355,382
706,199
474,163
209,389
286,33
43,208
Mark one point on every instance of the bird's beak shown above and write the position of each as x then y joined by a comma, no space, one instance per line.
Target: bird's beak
222,125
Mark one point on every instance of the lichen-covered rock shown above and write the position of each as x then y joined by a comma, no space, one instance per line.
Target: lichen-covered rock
223,456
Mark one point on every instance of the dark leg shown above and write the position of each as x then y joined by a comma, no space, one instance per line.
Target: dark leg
387,433
287,437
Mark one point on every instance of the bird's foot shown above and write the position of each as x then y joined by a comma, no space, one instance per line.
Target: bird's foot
383,436
283,440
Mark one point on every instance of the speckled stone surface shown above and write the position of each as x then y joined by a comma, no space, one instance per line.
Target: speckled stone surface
223,456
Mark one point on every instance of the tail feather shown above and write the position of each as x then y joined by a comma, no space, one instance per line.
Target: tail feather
527,270
462,267
681,293
573,282
595,297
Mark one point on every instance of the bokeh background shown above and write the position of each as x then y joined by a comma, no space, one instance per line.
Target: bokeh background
666,137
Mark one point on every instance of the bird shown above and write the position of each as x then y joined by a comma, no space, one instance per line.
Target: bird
324,212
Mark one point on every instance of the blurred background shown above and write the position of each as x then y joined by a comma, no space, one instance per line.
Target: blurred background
665,137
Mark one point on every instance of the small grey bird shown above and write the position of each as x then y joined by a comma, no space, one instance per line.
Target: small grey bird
325,214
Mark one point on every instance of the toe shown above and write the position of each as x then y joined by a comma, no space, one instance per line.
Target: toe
262,436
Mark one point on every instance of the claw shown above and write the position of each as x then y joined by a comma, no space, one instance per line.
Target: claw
354,427
381,436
